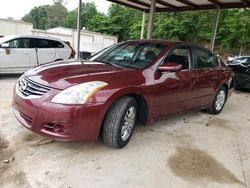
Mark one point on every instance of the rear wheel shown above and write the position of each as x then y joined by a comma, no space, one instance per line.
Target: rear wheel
119,122
219,101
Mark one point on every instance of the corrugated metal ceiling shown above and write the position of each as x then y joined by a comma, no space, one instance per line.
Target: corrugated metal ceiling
183,5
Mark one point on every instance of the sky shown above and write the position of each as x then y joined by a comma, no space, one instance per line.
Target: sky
18,8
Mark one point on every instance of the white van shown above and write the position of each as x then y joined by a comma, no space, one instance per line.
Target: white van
19,53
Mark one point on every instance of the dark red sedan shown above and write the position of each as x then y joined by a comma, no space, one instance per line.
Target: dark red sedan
128,83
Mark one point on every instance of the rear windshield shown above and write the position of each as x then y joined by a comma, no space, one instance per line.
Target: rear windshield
130,54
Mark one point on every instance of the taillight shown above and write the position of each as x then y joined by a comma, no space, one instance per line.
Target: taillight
73,52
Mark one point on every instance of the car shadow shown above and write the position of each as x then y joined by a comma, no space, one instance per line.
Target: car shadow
158,126
237,90
9,76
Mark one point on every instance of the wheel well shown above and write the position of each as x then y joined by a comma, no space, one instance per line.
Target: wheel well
226,86
142,107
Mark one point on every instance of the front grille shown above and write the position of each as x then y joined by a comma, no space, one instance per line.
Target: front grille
30,88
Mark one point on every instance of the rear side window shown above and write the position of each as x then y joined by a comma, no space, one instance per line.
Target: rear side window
44,43
56,44
205,59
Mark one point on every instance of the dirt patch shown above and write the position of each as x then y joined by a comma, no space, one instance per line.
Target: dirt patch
30,137
44,142
192,164
20,179
5,158
9,172
223,123
214,121
4,155
5,116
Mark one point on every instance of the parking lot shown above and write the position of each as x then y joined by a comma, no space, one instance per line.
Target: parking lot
191,150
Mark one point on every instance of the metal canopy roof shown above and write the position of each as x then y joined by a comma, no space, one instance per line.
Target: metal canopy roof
183,5
153,6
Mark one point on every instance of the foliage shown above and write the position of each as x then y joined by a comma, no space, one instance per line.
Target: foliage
194,26
100,23
44,17
71,20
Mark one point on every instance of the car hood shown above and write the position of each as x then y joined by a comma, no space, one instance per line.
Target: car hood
63,74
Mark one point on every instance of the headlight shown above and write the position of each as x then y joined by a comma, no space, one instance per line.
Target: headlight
78,94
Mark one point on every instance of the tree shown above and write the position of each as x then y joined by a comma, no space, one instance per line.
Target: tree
100,23
121,21
44,17
71,20
88,11
233,34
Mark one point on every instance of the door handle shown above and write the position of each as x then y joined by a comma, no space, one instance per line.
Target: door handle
25,53
193,81
220,76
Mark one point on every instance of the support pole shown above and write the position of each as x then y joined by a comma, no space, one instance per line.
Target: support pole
151,19
216,22
143,24
78,30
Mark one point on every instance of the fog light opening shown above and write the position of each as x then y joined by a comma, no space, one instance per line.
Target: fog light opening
59,129
56,128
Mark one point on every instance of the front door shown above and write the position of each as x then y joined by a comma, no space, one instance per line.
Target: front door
45,50
174,91
15,56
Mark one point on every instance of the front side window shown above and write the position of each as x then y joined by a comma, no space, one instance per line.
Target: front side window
19,43
180,56
205,59
130,54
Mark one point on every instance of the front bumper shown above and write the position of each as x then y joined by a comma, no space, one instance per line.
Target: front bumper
57,121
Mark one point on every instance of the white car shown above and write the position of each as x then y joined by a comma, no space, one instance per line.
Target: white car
19,53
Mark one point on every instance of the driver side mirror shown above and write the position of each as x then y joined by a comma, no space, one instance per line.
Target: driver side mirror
5,45
171,67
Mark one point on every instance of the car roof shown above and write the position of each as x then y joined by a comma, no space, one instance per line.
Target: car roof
10,37
170,43
242,57
7,38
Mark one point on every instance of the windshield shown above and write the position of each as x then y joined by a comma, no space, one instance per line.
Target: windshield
130,54
6,39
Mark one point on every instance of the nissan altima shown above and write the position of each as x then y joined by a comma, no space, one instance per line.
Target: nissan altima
130,83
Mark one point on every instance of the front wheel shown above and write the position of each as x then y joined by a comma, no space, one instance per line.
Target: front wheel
219,101
119,122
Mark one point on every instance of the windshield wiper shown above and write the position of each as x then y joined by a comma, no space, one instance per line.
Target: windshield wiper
106,62
114,64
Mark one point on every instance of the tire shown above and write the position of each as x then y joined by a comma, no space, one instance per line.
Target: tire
219,101
122,111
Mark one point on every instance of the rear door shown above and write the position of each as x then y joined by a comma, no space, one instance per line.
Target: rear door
63,50
175,91
208,74
45,50
16,57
